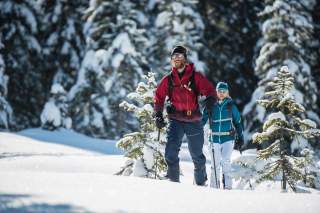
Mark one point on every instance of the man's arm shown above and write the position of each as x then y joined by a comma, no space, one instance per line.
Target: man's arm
205,117
204,86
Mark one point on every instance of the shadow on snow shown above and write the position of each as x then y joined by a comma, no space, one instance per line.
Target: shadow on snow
73,139
16,203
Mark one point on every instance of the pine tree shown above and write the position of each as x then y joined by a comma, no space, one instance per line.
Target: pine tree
176,23
316,48
287,40
311,171
55,113
62,39
5,108
112,66
283,125
246,167
143,149
23,61
231,32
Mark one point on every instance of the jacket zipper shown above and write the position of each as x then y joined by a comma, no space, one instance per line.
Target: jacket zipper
220,109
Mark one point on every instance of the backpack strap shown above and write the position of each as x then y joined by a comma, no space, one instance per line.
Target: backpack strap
229,107
192,83
170,85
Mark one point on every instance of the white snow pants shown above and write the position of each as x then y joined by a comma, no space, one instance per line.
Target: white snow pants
222,155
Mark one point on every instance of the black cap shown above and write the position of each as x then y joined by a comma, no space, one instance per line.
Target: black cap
179,49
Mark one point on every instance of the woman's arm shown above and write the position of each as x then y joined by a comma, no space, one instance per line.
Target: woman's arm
237,121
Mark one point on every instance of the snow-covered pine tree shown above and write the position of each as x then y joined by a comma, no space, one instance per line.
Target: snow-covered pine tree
284,124
23,61
112,67
316,49
245,169
311,170
62,39
55,113
287,37
231,32
143,150
177,22
5,108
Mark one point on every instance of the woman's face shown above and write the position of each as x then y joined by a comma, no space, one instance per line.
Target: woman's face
222,94
178,60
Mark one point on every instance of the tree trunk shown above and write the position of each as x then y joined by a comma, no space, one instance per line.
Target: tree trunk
282,153
284,181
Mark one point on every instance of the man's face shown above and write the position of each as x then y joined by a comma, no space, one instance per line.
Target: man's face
222,94
178,60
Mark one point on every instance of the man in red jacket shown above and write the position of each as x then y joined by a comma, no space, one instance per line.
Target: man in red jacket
183,86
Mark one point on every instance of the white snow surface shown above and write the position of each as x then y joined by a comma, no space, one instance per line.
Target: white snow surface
63,171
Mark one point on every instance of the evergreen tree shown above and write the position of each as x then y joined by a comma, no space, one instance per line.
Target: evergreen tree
316,48
176,22
5,108
23,60
246,167
62,39
143,149
311,171
231,32
287,40
55,113
112,66
283,125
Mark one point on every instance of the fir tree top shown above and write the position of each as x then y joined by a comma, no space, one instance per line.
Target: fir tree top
279,99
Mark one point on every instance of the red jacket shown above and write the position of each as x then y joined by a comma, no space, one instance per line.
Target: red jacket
183,99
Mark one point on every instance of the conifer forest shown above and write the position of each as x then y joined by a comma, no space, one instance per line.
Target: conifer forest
71,63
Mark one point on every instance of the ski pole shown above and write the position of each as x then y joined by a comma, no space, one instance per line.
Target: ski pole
214,167
223,182
156,166
213,157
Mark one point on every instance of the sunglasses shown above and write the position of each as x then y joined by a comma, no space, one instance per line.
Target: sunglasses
177,56
222,91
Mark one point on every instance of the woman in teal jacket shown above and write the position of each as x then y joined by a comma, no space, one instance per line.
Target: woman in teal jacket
225,129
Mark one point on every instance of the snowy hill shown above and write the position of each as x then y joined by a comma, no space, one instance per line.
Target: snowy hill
64,171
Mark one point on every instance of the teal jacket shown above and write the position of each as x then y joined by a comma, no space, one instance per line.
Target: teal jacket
225,118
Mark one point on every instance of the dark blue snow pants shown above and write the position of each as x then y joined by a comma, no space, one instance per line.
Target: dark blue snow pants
194,133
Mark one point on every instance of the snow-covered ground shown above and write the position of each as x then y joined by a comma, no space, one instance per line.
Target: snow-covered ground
64,171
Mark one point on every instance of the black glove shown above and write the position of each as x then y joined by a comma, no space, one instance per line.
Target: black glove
159,120
209,101
238,144
170,109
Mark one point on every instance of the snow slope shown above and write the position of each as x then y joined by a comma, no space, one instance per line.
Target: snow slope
64,171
